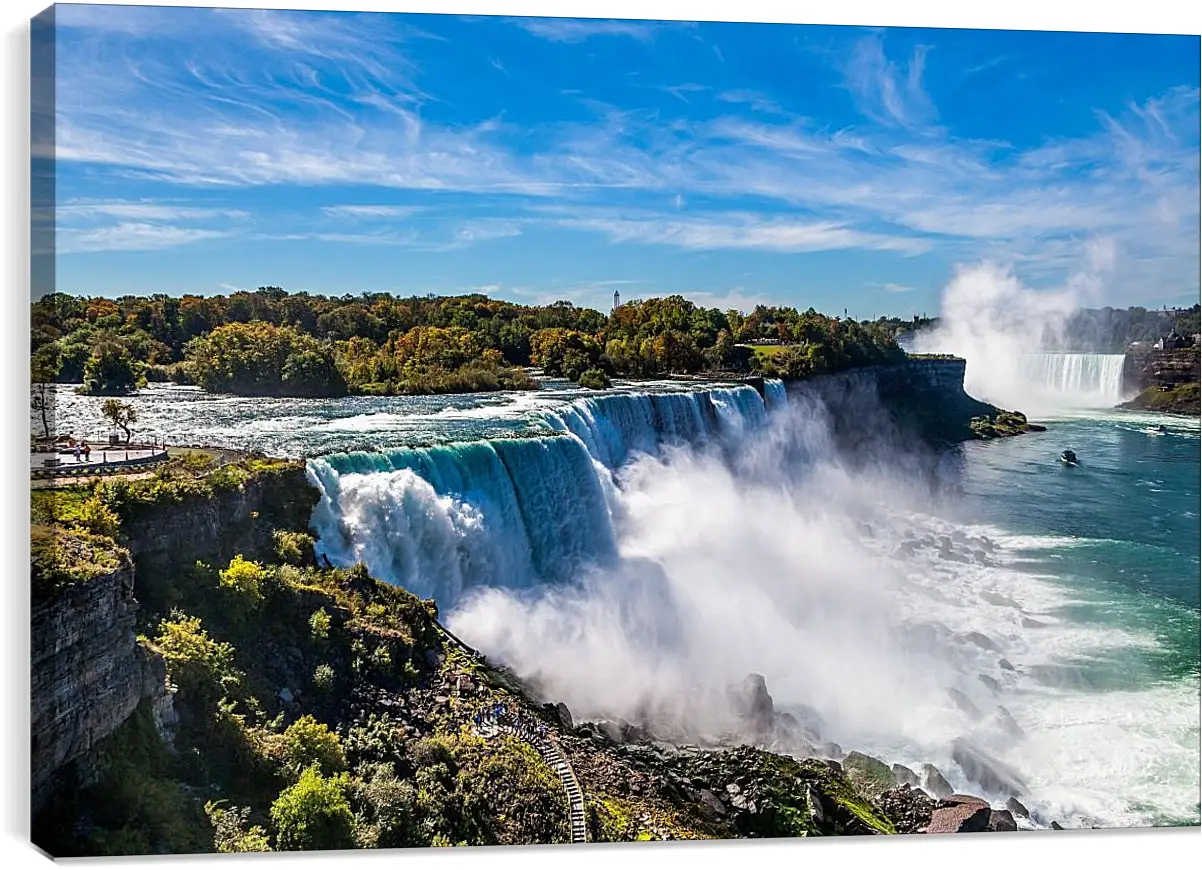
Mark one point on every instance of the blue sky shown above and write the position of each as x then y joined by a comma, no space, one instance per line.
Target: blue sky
204,150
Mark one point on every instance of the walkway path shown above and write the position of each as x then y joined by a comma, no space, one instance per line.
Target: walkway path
549,749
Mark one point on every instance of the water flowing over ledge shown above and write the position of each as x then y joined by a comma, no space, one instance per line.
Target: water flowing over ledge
514,512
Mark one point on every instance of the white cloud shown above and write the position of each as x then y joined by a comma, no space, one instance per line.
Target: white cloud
740,231
129,236
579,29
288,100
756,100
887,92
370,212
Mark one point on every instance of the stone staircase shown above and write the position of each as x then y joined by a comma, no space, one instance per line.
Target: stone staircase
549,749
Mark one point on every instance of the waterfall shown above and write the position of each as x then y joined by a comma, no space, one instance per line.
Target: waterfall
774,394
1082,379
513,512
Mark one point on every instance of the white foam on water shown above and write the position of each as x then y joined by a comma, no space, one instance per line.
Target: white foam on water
704,549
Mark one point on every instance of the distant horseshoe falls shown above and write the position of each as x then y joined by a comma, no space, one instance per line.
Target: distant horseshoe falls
513,512
1084,379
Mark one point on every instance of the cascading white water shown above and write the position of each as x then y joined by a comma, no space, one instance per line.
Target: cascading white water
1082,379
511,512
660,547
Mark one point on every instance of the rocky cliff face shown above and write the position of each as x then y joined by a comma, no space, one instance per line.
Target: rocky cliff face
1146,367
163,538
88,672
920,401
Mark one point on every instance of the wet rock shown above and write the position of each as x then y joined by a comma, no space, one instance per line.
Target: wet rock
965,816
831,751
975,637
814,804
934,782
989,773
908,808
710,802
1005,665
285,695
752,703
565,716
611,731
902,775
1006,722
1056,826
1002,820
1015,806
963,703
989,681
869,775
833,765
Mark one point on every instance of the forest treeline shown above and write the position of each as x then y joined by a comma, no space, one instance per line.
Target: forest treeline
271,342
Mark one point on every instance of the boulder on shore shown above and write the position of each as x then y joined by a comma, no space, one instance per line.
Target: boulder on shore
960,814
869,775
934,782
753,704
908,808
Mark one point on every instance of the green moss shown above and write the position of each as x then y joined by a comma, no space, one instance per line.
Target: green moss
1003,424
61,557
870,775
1183,399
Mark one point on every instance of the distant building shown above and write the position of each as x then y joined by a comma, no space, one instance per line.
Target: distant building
617,299
1173,341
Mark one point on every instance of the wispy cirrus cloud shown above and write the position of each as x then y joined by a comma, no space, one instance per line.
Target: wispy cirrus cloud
130,236
371,212
740,231
887,92
296,101
573,30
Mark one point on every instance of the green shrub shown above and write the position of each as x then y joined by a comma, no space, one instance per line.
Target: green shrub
233,833
293,548
307,742
98,518
63,557
319,624
323,678
594,379
201,667
244,578
314,814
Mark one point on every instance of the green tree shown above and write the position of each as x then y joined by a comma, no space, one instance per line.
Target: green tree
111,371
307,742
44,367
120,414
594,379
314,813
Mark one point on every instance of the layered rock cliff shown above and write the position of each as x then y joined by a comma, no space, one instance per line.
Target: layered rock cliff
1146,367
88,671
920,402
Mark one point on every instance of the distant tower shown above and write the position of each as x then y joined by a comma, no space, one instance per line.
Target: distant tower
617,299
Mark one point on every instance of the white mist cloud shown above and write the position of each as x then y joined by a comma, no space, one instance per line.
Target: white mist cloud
997,323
